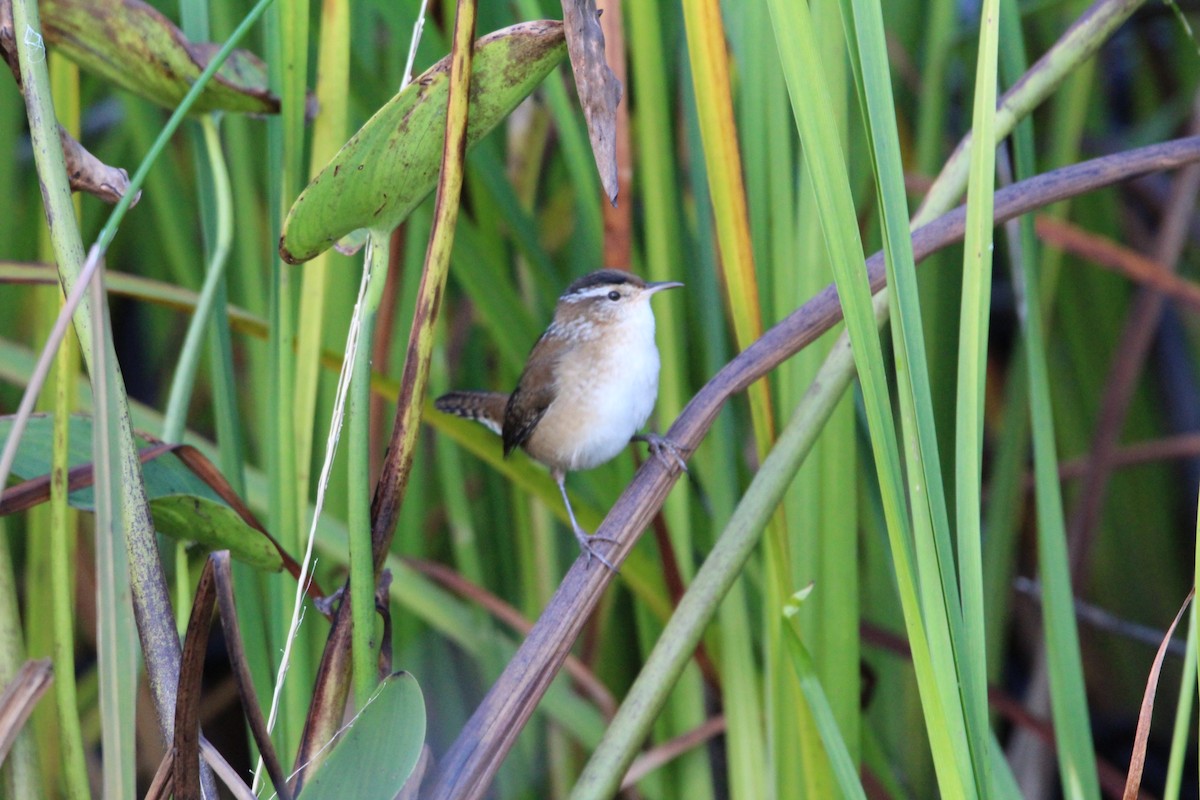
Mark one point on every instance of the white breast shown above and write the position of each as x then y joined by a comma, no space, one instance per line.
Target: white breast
603,398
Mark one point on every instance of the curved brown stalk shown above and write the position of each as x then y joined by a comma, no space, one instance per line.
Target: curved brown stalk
468,767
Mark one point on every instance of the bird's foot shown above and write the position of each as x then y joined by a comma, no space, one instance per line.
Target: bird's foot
670,452
585,544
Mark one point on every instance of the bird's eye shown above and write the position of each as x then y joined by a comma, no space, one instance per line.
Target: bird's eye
614,296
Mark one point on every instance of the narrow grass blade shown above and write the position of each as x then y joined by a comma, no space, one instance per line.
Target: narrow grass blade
116,637
364,642
835,746
1072,729
972,370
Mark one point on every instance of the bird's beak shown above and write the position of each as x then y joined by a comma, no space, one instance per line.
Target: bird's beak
651,288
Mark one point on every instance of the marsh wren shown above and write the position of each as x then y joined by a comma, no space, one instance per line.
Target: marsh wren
589,384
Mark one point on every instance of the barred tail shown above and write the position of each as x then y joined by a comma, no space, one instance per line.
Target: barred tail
486,408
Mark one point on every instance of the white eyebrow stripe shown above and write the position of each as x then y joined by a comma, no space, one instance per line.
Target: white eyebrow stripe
588,293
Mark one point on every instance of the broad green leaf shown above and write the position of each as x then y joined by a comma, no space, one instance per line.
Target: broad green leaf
392,163
134,46
165,475
215,526
375,756
183,506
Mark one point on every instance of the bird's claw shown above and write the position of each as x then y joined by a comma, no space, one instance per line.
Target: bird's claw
670,452
585,544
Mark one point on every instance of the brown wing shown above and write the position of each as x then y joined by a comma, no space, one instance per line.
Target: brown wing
534,393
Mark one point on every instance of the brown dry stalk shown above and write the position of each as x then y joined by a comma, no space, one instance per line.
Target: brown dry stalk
186,745
19,697
652,759
1104,252
618,217
1137,760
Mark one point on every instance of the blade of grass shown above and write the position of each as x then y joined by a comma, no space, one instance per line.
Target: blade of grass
363,642
835,746
714,103
972,367
1004,505
59,747
660,246
286,34
116,635
963,664
214,278
1068,699
823,503
1137,761
62,591
330,130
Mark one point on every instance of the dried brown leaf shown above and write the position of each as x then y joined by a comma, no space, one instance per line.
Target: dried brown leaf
1137,761
90,174
187,703
86,172
223,574
599,90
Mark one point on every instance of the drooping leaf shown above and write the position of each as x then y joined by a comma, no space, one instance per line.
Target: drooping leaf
599,90
215,526
391,164
378,752
164,476
86,172
133,45
89,174
184,507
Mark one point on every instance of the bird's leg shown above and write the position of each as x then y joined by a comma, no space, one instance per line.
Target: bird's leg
670,452
581,536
